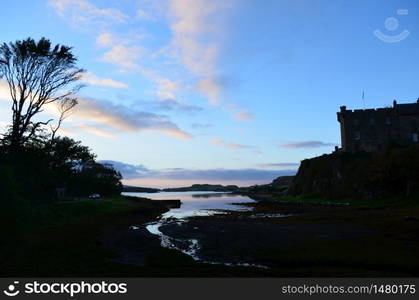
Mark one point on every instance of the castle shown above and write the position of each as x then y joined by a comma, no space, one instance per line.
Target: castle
374,129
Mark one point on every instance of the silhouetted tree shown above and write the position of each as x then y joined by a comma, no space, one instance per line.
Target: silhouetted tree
93,177
37,74
34,161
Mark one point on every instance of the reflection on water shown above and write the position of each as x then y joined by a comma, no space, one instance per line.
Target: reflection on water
193,204
197,203
211,195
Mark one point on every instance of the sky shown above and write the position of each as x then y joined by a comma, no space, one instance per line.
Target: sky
221,91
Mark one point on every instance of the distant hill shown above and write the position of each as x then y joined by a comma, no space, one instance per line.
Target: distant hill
137,189
277,186
204,188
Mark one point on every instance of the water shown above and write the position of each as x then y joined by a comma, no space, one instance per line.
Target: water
193,204
197,203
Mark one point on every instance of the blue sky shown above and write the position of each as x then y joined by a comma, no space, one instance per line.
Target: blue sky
232,91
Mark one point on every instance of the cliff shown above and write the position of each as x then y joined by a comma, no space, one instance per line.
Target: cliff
359,175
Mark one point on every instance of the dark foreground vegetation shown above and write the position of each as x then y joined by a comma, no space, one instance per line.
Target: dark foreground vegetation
292,237
37,166
92,238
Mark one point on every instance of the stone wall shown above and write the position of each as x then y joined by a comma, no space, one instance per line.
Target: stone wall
375,129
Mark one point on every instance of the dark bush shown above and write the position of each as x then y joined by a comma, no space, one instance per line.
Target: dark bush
13,207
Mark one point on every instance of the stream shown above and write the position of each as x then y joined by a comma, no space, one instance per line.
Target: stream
193,204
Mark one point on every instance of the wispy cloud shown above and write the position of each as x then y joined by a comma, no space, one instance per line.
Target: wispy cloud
124,56
230,145
192,24
145,16
128,56
125,119
165,86
122,50
106,39
78,12
306,144
95,129
244,116
212,88
172,105
218,175
201,126
92,79
198,29
105,119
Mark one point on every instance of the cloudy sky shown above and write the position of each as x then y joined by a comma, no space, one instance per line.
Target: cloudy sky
221,91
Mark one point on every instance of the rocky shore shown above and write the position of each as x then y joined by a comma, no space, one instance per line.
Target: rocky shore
306,239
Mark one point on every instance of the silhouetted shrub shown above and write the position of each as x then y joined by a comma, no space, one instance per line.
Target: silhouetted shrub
13,207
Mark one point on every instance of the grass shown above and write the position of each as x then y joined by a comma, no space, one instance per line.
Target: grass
61,239
72,212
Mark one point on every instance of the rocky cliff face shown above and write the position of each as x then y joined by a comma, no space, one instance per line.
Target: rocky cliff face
365,175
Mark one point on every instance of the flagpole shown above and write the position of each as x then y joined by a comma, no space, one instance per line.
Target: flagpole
363,99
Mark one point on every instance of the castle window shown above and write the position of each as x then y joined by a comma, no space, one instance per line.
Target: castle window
388,121
372,121
415,137
356,122
357,135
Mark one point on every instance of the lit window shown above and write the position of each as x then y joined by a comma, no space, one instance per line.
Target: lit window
415,137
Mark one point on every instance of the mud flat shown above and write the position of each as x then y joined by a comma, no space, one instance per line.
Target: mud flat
308,239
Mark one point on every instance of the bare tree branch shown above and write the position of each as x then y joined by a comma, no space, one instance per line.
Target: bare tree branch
65,107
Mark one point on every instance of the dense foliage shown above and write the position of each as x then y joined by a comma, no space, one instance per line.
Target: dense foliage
62,167
37,165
